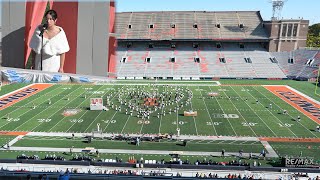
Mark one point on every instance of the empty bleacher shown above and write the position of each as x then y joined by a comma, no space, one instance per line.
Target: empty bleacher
183,44
184,64
298,68
169,25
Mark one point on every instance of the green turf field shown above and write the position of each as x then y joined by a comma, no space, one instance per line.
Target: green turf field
169,145
234,112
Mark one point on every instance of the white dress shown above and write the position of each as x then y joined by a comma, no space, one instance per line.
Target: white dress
52,48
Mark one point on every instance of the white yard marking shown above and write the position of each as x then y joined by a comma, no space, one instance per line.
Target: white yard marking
288,113
256,113
212,123
241,115
275,116
44,110
96,116
194,119
224,113
64,107
31,102
34,116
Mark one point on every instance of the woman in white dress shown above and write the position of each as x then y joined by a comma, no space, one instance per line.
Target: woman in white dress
55,45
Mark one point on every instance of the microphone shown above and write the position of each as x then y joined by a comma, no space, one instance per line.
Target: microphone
44,27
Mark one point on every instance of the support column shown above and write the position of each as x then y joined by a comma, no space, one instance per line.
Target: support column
280,38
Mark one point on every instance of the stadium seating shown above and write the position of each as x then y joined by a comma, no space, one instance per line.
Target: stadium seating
183,45
184,65
190,25
299,68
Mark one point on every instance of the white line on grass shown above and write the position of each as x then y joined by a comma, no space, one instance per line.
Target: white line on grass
194,119
162,114
46,109
27,104
98,114
256,114
224,113
288,114
20,115
241,115
76,107
88,111
275,117
214,128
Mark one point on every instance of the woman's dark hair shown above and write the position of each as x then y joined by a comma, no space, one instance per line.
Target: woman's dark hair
53,14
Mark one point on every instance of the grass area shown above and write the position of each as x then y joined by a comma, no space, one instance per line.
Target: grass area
233,113
168,145
125,157
305,87
294,149
9,88
5,139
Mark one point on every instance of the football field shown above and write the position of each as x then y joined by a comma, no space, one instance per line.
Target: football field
222,110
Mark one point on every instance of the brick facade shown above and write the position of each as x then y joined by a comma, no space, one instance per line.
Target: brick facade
286,35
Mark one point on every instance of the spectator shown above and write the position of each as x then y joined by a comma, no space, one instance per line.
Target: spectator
240,152
222,152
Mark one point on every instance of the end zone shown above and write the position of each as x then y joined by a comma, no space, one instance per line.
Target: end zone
301,102
21,94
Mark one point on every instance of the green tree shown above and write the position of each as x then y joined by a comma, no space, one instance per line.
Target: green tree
313,39
315,29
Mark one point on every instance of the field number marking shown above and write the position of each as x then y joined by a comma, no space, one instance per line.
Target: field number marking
248,124
109,121
179,122
230,116
76,120
143,122
213,123
13,119
285,125
44,120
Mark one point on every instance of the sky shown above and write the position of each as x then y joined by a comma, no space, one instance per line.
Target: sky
308,9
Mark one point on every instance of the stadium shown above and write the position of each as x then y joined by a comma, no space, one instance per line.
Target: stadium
189,94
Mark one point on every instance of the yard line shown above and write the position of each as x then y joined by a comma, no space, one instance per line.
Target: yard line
162,113
44,110
205,104
288,113
27,104
124,124
243,142
238,112
232,142
275,117
256,114
98,114
64,106
194,119
87,111
224,113
142,124
32,118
